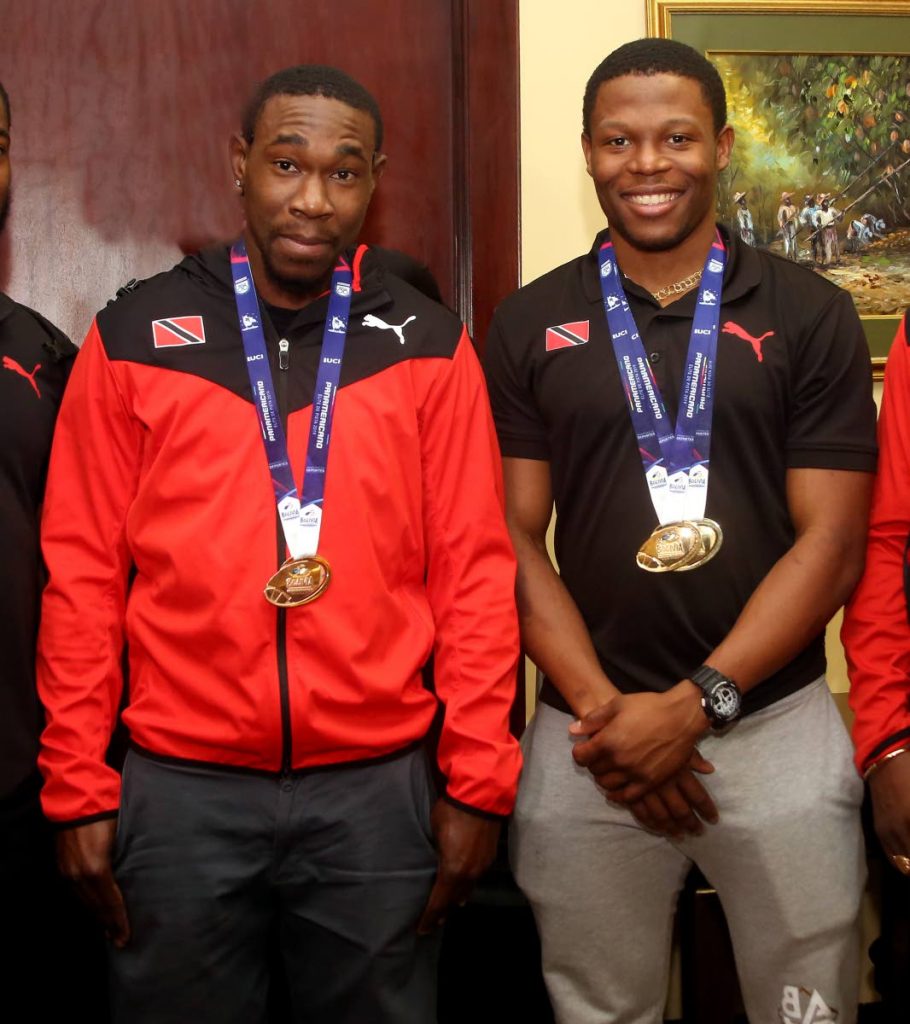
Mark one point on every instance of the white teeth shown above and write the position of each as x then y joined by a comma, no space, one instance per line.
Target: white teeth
653,200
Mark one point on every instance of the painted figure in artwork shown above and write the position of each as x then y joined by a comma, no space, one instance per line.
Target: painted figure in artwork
744,219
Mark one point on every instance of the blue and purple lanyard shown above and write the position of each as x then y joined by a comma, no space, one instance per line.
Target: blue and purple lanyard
675,459
300,514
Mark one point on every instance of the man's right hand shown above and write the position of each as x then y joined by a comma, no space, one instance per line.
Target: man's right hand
636,742
84,857
890,789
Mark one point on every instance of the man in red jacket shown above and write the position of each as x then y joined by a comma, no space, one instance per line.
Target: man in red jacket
277,781
876,636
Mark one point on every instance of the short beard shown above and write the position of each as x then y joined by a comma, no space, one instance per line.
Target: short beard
305,288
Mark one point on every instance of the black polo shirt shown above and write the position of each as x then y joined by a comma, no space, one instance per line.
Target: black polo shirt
35,359
793,390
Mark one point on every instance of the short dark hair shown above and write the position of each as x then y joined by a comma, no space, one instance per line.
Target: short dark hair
311,80
658,57
4,97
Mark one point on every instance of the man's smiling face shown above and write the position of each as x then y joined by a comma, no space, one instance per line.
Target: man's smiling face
654,154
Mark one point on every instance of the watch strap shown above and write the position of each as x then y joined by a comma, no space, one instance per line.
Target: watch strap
721,697
706,677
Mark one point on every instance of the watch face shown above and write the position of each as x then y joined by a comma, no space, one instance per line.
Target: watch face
725,701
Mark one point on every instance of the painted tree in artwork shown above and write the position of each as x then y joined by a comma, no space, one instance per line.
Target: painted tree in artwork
838,124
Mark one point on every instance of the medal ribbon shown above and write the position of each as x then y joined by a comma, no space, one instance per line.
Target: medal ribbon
301,515
675,459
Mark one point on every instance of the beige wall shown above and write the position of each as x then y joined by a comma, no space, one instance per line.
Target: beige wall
561,44
837,666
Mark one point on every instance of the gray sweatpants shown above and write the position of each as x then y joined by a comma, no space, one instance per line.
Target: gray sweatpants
335,864
786,859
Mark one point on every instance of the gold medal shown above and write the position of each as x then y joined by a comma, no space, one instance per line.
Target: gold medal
712,536
298,581
678,547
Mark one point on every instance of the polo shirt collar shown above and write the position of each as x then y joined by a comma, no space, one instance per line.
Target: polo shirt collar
743,272
6,305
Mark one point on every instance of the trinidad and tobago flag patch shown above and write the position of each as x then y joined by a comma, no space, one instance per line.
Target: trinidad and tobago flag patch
178,330
567,335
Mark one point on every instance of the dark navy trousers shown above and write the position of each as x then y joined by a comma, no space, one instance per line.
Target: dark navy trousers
336,864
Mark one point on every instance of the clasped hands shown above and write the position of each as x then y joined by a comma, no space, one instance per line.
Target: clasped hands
641,749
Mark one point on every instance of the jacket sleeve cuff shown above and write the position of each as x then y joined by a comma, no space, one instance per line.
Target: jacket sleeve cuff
88,820
901,738
476,811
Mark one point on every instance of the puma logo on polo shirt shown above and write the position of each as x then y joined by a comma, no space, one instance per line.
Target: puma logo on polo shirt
740,332
568,335
10,364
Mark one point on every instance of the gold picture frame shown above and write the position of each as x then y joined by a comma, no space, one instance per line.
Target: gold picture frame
771,27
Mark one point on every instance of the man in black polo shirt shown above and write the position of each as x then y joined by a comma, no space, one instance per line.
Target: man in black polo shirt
41,922
700,559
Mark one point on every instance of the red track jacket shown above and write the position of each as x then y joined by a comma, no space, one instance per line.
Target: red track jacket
876,631
158,473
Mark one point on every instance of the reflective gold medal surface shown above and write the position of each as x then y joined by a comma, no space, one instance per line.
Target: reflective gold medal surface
678,547
298,581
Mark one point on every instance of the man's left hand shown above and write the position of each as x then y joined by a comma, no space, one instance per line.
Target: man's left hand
467,846
638,740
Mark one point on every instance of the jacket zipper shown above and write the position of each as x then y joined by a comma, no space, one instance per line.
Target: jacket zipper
284,693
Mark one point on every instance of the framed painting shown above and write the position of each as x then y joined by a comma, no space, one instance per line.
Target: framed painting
819,96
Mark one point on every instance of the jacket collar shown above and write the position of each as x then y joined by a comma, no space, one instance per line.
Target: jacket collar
369,291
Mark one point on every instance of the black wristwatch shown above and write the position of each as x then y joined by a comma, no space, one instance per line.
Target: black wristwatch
721,697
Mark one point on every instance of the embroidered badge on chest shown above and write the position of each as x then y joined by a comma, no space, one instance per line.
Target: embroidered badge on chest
568,335
177,331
